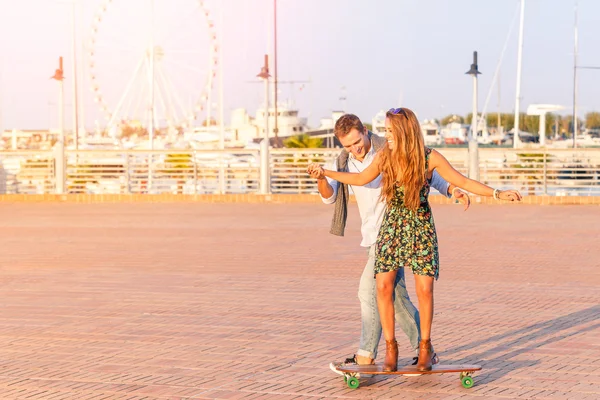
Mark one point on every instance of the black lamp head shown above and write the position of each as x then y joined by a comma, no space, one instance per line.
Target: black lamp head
474,67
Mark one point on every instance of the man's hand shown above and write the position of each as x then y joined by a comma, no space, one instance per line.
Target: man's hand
462,197
510,195
316,171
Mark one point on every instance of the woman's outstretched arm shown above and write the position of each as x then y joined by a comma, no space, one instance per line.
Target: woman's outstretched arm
351,178
447,171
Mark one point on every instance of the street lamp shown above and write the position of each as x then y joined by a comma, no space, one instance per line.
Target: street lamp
74,60
60,144
516,139
575,68
73,4
265,187
275,69
473,150
575,81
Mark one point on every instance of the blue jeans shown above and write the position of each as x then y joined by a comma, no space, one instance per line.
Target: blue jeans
406,315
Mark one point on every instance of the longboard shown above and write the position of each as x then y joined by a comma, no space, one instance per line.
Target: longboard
352,372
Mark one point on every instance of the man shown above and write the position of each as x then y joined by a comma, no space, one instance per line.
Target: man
359,151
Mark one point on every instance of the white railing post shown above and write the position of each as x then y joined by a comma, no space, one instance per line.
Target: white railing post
195,173
265,184
59,167
127,174
149,179
221,173
545,172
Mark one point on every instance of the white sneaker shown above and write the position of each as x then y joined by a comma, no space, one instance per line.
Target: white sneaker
334,368
349,361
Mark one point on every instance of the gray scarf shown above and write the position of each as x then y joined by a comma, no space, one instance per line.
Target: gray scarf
340,213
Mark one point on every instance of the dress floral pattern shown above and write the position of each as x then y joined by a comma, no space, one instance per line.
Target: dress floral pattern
406,238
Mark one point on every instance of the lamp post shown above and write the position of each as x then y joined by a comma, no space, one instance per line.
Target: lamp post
275,81
151,54
516,140
265,187
575,131
221,111
473,147
59,171
575,68
74,60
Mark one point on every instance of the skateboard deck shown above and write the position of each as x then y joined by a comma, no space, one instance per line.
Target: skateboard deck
352,372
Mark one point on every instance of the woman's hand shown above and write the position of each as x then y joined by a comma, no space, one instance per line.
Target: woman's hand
510,195
316,171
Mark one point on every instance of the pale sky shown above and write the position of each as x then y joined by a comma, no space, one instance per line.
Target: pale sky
386,53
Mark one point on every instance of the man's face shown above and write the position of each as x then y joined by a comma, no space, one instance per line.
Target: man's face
355,143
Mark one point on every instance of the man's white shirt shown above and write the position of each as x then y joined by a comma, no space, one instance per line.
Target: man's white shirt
370,206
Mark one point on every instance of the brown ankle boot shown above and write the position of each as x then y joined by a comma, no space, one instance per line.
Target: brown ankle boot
391,356
425,354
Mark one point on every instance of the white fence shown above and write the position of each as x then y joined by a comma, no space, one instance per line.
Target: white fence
532,171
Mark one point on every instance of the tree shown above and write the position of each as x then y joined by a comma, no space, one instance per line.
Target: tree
551,120
492,119
508,121
303,141
293,172
531,123
566,125
179,166
213,122
527,170
451,118
129,130
592,120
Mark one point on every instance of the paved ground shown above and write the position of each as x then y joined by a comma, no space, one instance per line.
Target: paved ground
252,301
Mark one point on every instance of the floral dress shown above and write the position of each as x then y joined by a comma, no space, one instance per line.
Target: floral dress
406,238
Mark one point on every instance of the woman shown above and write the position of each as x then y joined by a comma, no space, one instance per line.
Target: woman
407,237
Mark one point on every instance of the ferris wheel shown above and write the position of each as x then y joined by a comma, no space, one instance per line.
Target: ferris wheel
153,62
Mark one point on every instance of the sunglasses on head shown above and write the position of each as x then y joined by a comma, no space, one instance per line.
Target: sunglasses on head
397,111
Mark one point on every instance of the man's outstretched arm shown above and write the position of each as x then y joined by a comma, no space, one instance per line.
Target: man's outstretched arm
441,185
449,190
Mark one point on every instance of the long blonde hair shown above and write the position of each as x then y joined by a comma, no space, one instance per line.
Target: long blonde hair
406,164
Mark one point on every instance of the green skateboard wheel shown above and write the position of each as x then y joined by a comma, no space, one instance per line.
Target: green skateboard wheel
467,382
353,382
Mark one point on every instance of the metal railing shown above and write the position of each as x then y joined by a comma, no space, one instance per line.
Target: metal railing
288,168
27,172
532,171
120,172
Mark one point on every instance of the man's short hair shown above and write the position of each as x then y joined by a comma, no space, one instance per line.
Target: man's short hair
346,123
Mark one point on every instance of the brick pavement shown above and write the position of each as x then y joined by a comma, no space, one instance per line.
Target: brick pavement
252,301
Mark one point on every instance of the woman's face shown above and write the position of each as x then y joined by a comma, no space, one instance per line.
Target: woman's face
389,135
